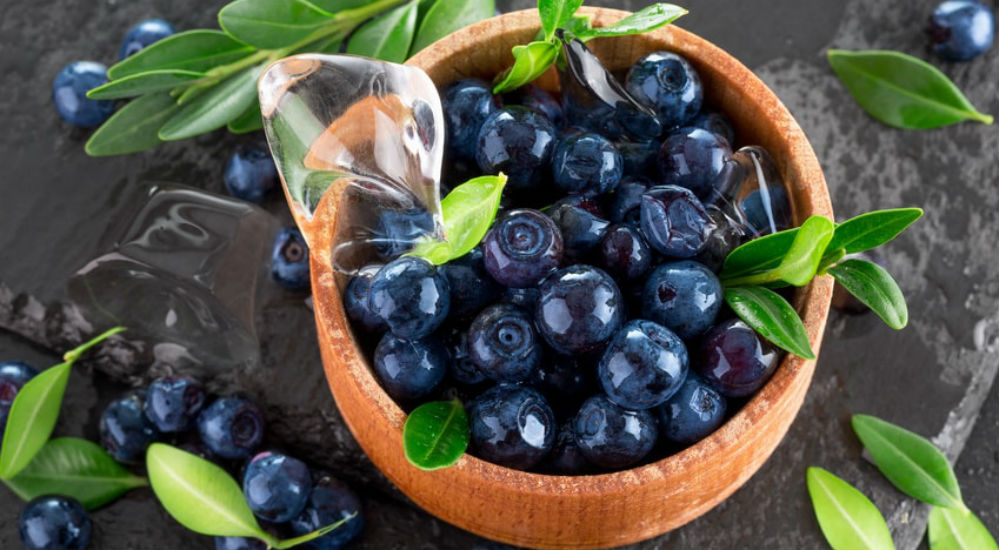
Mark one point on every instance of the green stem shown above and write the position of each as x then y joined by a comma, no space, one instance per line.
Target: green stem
75,353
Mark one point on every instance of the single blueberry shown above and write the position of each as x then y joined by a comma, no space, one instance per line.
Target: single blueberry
522,247
538,100
768,212
125,430
585,202
173,403
466,104
695,411
250,173
518,142
587,164
144,34
356,301
579,309
290,259
411,296
276,486
643,365
717,123
521,297
472,287
239,543
13,376
624,204
683,296
612,437
331,500
512,426
674,222
69,92
410,369
565,381
566,458
695,159
960,30
503,343
727,234
460,365
734,359
666,82
231,427
396,232
581,231
54,522
625,254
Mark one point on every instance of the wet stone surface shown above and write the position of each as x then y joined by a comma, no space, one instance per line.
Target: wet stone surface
933,377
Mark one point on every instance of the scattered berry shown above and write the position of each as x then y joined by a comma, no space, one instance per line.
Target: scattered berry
239,543
331,500
411,296
250,173
231,427
144,34
13,376
49,522
961,30
512,426
410,369
69,92
522,247
276,487
290,259
125,430
579,309
612,437
173,403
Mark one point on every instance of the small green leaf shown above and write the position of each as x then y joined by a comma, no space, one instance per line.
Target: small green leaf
388,36
772,317
213,108
875,288
530,62
949,529
302,539
144,83
647,19
134,127
901,90
577,25
555,14
873,229
248,121
436,434
197,50
849,520
761,254
468,212
271,24
799,263
910,462
32,417
446,17
77,468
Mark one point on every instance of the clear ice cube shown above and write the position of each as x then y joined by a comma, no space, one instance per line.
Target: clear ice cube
754,192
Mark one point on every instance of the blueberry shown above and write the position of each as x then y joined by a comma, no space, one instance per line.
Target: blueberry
695,159
503,343
331,500
472,287
410,369
584,202
518,142
565,457
683,296
173,403
144,34
69,92
669,84
579,309
734,359
276,487
466,104
290,259
231,427
674,222
625,254
239,543
612,437
581,231
53,522
638,157
717,123
13,376
250,173
624,203
540,101
356,301
767,215
460,365
521,297
522,247
512,426
643,365
396,232
960,30
125,430
565,381
695,411
727,234
586,163
411,296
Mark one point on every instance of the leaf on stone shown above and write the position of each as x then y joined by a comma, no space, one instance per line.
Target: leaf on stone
849,520
950,529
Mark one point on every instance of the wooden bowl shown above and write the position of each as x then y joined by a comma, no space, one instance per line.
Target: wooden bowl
594,511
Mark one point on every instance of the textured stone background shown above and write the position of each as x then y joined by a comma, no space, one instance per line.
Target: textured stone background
933,377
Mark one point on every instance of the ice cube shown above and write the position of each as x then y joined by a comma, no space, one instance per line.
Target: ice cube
754,192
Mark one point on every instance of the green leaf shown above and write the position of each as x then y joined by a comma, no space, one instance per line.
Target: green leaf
772,317
436,434
555,14
214,107
577,25
901,90
446,17
302,539
875,288
910,462
77,468
649,18
388,36
271,24
468,212
849,520
197,50
530,62
32,418
333,6
872,229
134,127
949,529
799,263
249,120
761,254
143,83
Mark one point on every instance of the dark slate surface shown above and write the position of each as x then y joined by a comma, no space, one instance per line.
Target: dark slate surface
933,377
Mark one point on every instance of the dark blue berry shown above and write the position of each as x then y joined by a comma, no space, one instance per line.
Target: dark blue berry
565,381
581,231
523,246
231,427
512,426
960,30
565,457
503,343
643,365
13,376
410,369
695,159
290,259
625,254
624,203
239,543
472,287
666,82
53,522
586,163
717,123
69,92
683,296
725,237
331,500
250,173
356,301
398,231
695,411
411,296
767,214
585,202
144,34
466,104
612,437
276,487
518,142
674,222
460,365
125,430
734,359
521,297
538,100
173,403
579,309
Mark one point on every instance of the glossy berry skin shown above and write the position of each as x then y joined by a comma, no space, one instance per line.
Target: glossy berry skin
411,296
472,287
144,34
173,403
250,174
290,259
523,246
125,430
734,359
695,411
356,301
624,204
612,437
13,376
540,101
410,369
512,426
565,457
231,427
460,365
521,297
638,157
69,92
503,344
683,296
54,522
625,254
674,222
581,231
695,159
397,231
643,365
727,234
666,82
331,500
239,543
518,142
565,381
586,163
276,486
717,123
579,309
960,30
466,104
